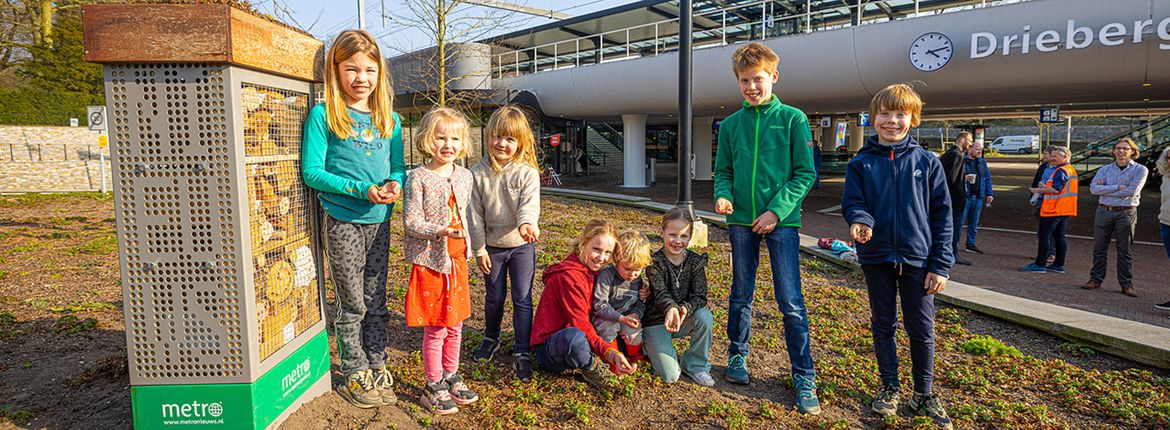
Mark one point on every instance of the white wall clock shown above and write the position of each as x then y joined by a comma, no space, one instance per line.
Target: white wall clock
931,51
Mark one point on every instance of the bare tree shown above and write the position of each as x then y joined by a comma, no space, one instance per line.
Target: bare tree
453,63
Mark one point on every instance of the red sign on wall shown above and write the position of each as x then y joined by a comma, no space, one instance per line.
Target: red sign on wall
554,140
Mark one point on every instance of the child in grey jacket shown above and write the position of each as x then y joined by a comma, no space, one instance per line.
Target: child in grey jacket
617,304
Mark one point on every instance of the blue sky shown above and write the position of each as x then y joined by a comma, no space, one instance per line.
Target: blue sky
324,19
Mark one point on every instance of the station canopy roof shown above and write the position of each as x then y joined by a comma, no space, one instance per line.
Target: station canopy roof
707,16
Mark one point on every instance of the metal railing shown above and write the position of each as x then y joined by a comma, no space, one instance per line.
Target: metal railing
610,134
1151,137
51,152
758,21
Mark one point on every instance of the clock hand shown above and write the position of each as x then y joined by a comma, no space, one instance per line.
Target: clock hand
932,51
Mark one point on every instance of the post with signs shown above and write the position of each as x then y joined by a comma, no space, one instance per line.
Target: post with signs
96,116
1049,116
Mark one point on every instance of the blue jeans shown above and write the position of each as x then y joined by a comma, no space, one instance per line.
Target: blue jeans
885,283
784,255
958,214
564,350
1051,233
519,264
1165,230
973,210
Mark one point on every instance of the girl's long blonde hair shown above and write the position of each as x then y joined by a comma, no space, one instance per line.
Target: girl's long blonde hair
595,227
381,102
424,141
510,121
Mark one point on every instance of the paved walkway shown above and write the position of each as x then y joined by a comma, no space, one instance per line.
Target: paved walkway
1008,247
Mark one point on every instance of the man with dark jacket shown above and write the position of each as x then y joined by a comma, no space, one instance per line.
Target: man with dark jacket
952,162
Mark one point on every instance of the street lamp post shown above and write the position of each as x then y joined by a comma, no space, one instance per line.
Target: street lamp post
684,106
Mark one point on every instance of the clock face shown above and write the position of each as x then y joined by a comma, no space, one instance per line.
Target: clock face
931,51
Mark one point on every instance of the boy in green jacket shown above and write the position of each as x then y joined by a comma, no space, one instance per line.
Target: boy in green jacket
763,170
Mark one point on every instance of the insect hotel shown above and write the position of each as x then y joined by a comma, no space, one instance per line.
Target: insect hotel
221,275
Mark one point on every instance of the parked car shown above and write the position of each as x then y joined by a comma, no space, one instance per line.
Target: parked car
1025,144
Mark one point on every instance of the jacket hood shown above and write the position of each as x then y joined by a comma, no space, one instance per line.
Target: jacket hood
570,264
872,145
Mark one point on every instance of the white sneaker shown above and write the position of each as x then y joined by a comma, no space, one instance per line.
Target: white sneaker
701,378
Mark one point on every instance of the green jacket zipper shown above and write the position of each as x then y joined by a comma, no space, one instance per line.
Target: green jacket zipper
755,165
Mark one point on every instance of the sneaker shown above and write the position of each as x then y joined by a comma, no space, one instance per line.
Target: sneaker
1033,268
806,396
1093,284
885,402
737,372
960,260
701,378
973,248
522,365
436,397
928,405
1163,306
359,390
459,391
597,374
384,382
487,349
1055,269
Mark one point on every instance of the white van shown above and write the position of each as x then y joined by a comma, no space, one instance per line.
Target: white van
1025,144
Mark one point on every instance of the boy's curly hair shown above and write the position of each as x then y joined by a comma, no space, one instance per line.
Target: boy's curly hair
633,250
754,56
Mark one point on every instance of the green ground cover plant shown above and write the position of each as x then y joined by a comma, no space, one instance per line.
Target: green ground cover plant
986,380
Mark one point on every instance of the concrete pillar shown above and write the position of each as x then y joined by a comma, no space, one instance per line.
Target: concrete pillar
634,152
856,136
702,148
828,136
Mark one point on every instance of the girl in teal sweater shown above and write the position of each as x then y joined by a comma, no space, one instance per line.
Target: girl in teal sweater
352,155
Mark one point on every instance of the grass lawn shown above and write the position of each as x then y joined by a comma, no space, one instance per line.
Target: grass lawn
61,326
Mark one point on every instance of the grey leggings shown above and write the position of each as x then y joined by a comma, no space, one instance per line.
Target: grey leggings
358,255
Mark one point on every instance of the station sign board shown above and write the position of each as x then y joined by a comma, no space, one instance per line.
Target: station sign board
1050,115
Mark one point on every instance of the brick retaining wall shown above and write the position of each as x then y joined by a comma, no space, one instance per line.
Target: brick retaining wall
47,159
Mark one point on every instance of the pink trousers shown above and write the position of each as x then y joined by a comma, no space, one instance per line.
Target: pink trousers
440,350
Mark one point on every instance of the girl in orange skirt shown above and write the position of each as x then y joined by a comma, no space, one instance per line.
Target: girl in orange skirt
438,194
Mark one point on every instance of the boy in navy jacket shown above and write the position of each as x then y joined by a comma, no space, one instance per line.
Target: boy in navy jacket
899,212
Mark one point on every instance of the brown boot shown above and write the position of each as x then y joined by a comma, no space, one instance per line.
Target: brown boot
1093,284
597,374
1128,291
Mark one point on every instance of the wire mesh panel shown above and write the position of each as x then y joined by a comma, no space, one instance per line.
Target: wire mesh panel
177,223
287,298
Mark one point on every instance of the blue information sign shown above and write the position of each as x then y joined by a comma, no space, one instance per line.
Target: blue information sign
1050,115
863,119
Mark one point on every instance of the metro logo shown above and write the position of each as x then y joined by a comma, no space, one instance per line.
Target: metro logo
295,377
192,410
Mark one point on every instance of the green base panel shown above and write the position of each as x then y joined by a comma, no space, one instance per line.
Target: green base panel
233,406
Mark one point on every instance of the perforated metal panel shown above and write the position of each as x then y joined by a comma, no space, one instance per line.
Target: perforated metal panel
185,194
